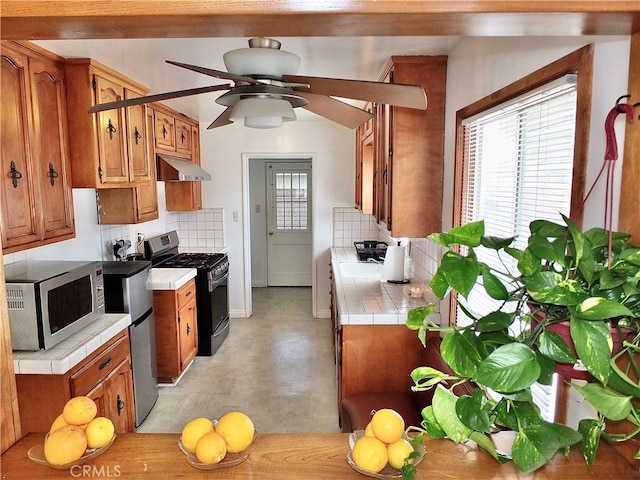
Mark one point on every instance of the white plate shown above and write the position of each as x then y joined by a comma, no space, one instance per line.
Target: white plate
388,471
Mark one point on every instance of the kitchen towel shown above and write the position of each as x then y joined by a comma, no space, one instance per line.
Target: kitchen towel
393,266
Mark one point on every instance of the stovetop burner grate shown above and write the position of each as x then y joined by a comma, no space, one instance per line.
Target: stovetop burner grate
194,260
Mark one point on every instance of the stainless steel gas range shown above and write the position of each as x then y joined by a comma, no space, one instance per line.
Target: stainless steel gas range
212,296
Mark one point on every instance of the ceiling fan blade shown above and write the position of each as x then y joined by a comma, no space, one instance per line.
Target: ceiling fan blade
335,110
401,95
215,73
156,98
222,120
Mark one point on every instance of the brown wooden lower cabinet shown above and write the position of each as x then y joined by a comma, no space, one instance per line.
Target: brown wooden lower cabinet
375,358
105,376
176,330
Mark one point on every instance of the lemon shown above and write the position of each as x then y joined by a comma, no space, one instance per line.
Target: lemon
370,454
237,429
192,432
99,432
57,423
398,452
387,425
65,445
79,411
211,448
368,431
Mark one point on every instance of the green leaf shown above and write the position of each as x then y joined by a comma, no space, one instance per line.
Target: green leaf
547,228
460,354
535,446
505,415
485,442
610,404
550,287
474,411
547,369
444,409
460,272
542,248
469,234
593,343
494,287
528,263
553,346
527,413
430,423
598,308
591,430
578,239
494,322
509,368
418,317
496,243
439,285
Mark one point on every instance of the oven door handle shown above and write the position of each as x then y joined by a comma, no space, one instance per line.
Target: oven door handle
214,283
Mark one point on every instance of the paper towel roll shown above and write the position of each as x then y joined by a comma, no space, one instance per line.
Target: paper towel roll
393,266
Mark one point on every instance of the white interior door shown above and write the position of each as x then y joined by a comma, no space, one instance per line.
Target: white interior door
289,224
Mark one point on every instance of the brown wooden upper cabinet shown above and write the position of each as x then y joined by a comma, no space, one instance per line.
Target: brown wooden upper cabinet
407,146
37,204
108,149
178,135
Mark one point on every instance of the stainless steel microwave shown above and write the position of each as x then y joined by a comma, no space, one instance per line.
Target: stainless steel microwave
51,300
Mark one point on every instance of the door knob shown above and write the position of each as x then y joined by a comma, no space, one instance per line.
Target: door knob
270,233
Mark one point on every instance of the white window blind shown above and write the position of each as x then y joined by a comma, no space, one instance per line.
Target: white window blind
518,164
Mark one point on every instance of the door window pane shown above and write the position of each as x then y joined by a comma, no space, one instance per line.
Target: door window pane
291,201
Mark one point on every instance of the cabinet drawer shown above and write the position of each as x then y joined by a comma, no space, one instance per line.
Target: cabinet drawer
186,293
99,366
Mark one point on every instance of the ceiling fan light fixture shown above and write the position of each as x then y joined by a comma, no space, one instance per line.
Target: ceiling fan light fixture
265,59
262,112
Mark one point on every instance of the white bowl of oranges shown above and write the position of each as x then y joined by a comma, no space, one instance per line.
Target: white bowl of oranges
76,436
384,449
218,443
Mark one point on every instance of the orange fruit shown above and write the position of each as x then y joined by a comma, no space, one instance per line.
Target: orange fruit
99,432
57,423
211,448
79,410
237,429
370,454
387,425
398,452
192,432
65,445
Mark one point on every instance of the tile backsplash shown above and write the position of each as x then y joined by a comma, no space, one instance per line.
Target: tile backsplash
351,225
202,230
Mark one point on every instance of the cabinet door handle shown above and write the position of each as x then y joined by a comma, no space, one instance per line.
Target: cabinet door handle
14,174
164,132
111,129
188,329
119,405
52,174
104,364
188,294
182,137
136,135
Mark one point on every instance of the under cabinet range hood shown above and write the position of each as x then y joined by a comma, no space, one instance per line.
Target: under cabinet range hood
176,169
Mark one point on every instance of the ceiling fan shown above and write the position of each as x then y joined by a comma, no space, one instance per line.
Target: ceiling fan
266,89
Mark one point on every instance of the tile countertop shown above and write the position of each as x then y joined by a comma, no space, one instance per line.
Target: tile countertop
369,301
59,359
169,278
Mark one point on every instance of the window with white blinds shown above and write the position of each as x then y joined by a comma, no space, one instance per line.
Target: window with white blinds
518,164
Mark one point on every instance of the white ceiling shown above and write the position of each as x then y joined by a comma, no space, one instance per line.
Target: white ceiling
357,58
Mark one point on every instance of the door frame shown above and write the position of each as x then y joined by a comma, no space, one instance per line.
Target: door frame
246,219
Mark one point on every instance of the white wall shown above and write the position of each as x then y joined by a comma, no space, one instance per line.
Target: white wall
333,150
